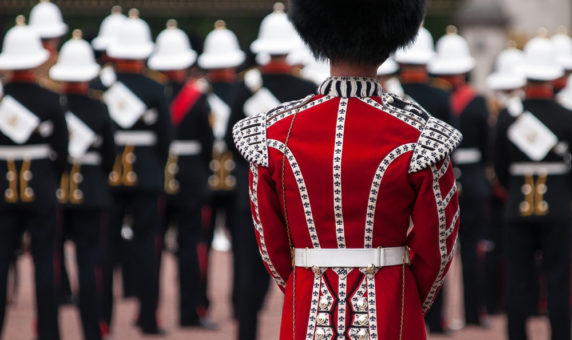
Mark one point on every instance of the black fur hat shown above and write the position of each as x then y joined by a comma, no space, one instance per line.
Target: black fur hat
363,31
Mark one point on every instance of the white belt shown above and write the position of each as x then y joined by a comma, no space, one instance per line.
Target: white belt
351,257
137,138
530,168
467,156
25,152
185,147
90,158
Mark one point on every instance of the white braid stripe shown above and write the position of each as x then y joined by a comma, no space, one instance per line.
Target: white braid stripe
375,186
450,195
337,172
275,117
301,188
317,286
444,167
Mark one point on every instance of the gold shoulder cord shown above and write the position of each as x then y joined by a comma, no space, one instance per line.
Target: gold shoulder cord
291,244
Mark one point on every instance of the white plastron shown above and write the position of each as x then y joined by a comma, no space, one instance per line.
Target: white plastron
107,75
125,108
81,136
531,136
221,113
262,101
16,121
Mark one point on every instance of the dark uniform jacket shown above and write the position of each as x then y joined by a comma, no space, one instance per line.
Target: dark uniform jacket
146,162
31,184
473,124
85,183
533,197
284,87
187,174
431,98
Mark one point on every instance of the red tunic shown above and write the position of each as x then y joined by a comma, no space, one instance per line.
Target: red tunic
363,169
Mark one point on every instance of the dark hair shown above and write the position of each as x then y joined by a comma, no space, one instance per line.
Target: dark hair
362,31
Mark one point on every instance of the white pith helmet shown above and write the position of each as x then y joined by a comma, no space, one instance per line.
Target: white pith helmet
453,55
540,59
507,75
277,35
388,67
173,50
108,29
22,48
133,40
317,71
563,44
46,20
420,52
221,49
76,62
300,54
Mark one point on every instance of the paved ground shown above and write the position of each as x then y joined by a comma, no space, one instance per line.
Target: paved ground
19,321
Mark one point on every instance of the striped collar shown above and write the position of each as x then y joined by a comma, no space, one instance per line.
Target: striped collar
350,87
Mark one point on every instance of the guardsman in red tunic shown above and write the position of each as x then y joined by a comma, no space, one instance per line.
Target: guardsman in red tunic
352,190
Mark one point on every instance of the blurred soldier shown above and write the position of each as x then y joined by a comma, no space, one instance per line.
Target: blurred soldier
139,108
33,154
261,90
387,76
470,115
564,97
46,20
506,84
108,30
220,58
416,85
84,191
186,172
532,161
563,49
347,183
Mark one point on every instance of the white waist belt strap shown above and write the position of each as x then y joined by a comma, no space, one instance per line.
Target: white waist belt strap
467,156
25,152
90,158
351,257
137,138
545,168
185,147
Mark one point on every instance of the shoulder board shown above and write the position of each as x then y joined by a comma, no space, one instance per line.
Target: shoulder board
249,134
437,140
407,104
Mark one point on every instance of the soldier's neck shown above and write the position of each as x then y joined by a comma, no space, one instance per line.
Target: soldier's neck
76,88
129,66
542,90
352,69
23,76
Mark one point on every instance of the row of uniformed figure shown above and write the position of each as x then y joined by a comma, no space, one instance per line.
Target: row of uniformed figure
512,169
121,145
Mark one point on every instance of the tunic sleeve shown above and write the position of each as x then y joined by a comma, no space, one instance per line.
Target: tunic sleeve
435,223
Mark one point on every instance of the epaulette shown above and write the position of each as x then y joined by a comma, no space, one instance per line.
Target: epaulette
249,134
156,76
437,140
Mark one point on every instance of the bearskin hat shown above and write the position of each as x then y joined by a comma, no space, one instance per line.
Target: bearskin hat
362,31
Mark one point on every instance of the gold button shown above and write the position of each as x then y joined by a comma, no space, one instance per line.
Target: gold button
229,164
27,175
10,176
324,303
362,320
370,269
77,177
322,319
526,189
543,206
362,304
9,193
362,334
173,185
524,207
172,168
29,192
113,176
130,158
60,194
214,165
541,189
320,334
230,181
214,181
316,270
77,195
131,177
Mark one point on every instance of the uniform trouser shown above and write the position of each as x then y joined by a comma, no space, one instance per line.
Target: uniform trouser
251,277
188,221
85,227
473,219
523,240
434,317
63,285
224,204
143,208
42,229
